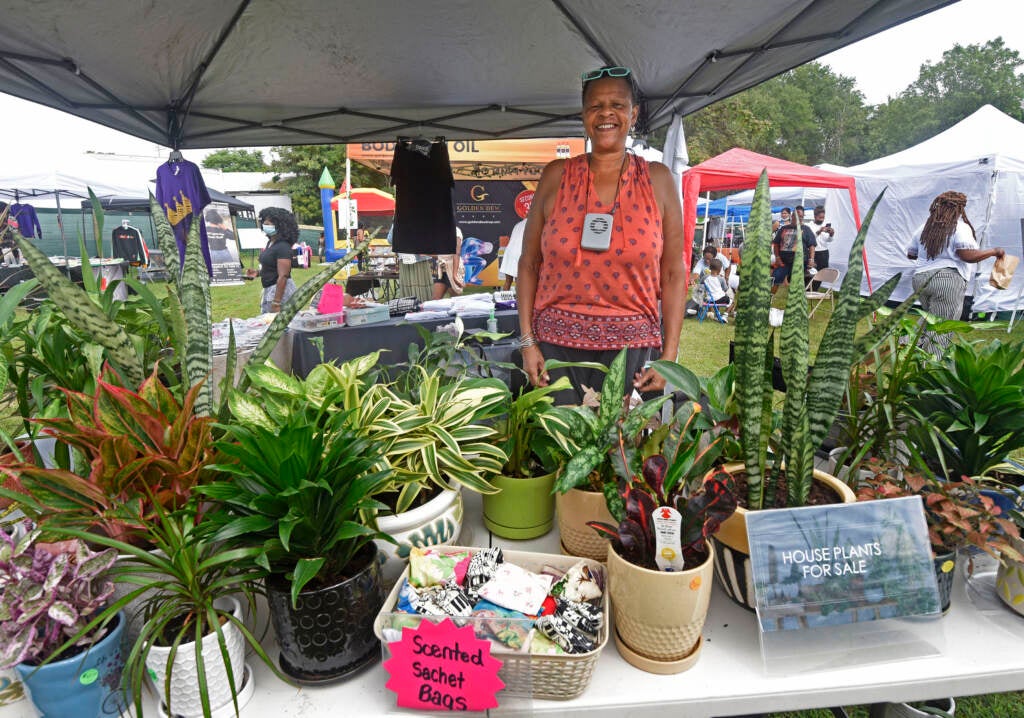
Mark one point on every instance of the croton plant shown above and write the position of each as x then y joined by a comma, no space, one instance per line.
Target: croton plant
48,594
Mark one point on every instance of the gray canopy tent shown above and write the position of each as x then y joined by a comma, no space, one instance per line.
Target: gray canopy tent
198,74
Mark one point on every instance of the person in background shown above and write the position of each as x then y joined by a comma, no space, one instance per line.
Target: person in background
448,273
275,270
943,247
586,300
823,236
784,248
322,247
702,268
509,266
712,283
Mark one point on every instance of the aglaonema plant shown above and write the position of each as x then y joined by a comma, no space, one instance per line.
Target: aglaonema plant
813,394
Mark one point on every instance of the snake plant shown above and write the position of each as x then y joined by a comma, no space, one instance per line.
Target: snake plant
813,394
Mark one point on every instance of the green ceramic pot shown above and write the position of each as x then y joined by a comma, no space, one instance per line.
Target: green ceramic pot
524,509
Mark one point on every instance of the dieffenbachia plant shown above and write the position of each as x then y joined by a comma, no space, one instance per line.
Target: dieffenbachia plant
813,394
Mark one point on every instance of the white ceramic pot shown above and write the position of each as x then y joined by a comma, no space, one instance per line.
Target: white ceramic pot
185,700
435,523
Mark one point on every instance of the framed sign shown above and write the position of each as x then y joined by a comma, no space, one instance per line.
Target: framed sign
839,564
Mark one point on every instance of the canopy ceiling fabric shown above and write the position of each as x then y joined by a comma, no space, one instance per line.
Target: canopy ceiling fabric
201,74
370,201
739,169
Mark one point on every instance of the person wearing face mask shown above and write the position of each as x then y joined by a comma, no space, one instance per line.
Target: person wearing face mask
275,270
603,244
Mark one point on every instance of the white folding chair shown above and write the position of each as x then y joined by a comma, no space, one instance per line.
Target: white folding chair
829,278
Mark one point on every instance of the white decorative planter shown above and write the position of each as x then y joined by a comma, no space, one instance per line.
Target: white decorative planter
435,523
185,699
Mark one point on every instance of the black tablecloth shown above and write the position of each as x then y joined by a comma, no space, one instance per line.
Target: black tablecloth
344,343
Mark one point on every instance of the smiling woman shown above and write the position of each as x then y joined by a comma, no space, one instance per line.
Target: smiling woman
603,244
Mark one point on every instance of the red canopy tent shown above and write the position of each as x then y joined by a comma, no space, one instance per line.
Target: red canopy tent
740,169
370,201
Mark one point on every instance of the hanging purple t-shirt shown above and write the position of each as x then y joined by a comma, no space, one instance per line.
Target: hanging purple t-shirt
180,190
28,221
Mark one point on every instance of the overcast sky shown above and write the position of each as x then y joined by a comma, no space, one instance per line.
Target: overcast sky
36,137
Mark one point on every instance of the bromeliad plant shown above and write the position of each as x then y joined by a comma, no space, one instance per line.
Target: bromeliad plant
48,596
813,395
132,453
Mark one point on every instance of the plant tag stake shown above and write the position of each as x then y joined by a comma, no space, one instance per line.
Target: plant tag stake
668,527
439,666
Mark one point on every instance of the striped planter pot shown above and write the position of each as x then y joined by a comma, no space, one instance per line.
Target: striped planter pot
732,547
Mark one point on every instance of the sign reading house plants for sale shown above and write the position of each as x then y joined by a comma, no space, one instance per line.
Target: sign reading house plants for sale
439,666
844,563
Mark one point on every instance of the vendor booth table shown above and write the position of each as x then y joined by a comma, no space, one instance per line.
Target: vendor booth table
392,337
982,655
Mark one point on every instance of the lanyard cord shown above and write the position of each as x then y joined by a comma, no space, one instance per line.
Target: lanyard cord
618,183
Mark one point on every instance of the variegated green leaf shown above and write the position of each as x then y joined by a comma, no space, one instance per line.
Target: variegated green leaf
165,240
83,313
752,336
195,300
248,410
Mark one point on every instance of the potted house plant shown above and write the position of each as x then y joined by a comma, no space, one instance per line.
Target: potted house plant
586,483
968,409
525,507
298,491
433,446
192,643
958,515
813,395
1010,574
660,563
48,597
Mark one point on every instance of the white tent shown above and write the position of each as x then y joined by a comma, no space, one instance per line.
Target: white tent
792,196
981,156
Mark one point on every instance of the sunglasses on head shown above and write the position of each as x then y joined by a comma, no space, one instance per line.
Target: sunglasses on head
606,72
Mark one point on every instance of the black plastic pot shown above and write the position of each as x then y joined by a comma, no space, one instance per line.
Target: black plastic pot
329,635
945,565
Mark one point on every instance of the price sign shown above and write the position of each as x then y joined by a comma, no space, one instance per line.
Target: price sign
439,666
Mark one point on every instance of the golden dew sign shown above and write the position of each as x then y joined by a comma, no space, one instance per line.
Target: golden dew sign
845,563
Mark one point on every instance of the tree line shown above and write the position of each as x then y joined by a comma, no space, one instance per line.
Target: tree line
809,115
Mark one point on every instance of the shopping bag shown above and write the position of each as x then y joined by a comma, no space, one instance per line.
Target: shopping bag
1002,271
332,299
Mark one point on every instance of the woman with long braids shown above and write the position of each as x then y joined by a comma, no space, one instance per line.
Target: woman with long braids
946,243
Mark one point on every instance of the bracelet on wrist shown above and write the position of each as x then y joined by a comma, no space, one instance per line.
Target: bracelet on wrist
527,341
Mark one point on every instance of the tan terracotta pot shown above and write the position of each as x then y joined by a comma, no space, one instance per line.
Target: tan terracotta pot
659,615
732,558
575,508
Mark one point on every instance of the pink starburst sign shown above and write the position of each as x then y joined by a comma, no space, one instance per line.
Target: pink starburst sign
440,666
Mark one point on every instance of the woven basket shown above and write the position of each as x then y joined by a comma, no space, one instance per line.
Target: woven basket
556,678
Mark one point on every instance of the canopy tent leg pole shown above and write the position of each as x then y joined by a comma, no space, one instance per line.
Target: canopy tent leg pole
63,237
1016,308
707,209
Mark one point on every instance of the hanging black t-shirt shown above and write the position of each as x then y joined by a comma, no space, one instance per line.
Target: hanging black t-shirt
127,244
424,202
